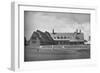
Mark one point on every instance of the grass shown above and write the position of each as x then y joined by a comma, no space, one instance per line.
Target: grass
40,54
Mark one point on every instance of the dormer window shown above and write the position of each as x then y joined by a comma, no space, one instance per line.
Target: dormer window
54,37
58,37
64,37
61,37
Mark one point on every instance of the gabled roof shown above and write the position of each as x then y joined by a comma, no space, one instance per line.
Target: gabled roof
67,36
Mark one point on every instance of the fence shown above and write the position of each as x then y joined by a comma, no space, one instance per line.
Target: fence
65,47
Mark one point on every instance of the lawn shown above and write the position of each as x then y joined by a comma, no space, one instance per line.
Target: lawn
56,53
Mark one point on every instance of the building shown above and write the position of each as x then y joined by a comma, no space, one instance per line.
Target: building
54,38
68,38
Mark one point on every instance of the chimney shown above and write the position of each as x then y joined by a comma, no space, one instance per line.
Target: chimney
80,30
53,31
76,30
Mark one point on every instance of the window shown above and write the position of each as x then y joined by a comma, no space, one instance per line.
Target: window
54,37
58,37
61,37
33,41
64,37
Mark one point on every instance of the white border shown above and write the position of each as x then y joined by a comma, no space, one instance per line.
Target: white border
18,37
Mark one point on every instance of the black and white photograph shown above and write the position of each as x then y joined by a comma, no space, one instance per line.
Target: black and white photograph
56,36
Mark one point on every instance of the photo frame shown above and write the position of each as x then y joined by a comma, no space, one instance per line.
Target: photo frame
54,19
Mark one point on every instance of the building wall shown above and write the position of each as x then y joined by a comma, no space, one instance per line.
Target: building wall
68,36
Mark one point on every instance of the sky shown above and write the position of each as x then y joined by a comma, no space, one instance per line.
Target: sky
60,22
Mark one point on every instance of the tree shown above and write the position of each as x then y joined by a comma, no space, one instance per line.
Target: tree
25,41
